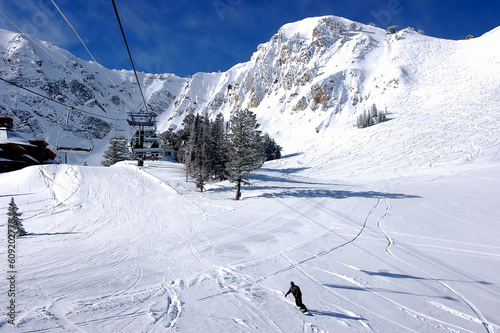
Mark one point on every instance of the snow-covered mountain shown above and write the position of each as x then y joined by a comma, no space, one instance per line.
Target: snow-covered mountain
54,72
307,86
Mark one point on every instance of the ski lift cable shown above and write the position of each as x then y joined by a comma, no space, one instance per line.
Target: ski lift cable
88,51
56,101
129,55
50,55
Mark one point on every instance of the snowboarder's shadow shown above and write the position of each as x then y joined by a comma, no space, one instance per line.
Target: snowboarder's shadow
33,234
333,314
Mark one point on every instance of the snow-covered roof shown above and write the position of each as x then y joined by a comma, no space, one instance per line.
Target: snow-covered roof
8,136
31,158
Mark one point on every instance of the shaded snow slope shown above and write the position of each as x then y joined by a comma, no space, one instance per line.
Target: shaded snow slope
124,249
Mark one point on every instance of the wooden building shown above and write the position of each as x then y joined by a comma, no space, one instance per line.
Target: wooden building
16,152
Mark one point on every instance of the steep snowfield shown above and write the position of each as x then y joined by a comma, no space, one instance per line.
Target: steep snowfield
447,115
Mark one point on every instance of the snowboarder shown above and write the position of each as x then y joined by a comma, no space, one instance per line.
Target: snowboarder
295,291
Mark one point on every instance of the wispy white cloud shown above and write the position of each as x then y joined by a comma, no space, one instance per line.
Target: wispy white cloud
38,19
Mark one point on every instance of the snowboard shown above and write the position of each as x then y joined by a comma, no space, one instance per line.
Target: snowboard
304,311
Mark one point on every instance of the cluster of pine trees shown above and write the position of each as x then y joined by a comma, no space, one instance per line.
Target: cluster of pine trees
214,150
371,117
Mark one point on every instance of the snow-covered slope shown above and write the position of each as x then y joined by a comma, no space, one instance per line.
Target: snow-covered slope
123,249
307,86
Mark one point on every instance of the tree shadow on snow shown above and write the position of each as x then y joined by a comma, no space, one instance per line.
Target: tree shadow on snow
32,234
333,314
291,155
304,192
405,276
263,179
285,170
393,275
14,195
336,194
266,178
382,290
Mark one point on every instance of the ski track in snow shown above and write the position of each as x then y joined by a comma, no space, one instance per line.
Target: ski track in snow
325,252
478,315
190,261
297,265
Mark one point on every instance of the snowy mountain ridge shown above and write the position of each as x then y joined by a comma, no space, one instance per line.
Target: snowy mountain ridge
314,77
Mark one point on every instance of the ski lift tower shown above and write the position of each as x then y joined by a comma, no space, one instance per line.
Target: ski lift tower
145,143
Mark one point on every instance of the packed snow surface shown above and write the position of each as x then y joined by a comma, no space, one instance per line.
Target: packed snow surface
129,249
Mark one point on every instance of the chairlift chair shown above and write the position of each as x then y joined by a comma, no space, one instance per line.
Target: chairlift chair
117,133
145,142
68,143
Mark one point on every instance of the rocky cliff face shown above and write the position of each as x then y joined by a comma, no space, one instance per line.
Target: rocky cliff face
318,65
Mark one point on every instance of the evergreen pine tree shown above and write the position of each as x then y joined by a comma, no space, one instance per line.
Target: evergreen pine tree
117,151
207,149
244,148
381,117
14,219
373,115
184,139
200,181
202,152
171,139
191,146
218,137
359,122
197,147
272,150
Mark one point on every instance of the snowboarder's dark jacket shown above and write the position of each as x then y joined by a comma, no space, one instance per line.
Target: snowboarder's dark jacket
295,291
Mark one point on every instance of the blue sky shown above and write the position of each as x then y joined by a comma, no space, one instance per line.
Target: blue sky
186,37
